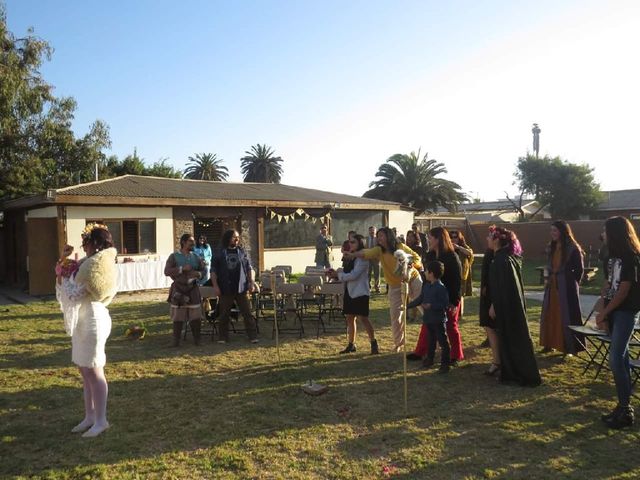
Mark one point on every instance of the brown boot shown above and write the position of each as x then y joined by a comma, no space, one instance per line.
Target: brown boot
195,329
177,331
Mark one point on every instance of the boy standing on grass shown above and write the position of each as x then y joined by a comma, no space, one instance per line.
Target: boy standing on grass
434,299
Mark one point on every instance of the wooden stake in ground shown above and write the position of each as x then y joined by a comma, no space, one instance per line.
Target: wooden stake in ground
404,289
272,278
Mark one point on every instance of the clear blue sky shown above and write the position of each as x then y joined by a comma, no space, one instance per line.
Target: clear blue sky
336,87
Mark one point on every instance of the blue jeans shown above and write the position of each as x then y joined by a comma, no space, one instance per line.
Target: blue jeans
438,333
622,330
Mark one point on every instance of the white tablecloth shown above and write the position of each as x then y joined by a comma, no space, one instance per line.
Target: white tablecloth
142,275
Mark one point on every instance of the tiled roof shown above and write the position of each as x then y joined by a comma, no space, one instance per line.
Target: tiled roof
621,200
134,186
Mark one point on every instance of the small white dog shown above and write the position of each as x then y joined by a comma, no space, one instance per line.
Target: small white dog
403,265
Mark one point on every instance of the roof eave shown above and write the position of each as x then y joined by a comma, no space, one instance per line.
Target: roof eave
30,201
190,202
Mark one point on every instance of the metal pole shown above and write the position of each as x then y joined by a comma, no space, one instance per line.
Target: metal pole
404,294
272,277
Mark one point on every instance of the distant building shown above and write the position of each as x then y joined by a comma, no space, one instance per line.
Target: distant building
498,211
625,203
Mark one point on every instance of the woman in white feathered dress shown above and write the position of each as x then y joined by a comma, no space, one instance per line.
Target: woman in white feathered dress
84,299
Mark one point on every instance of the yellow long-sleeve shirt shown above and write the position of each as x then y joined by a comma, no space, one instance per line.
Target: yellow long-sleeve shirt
389,262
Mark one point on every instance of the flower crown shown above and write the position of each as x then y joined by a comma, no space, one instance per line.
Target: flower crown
90,227
495,233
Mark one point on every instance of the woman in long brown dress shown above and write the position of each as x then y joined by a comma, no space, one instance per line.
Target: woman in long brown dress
561,305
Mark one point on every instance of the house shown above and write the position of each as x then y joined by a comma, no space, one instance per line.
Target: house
625,203
497,211
147,215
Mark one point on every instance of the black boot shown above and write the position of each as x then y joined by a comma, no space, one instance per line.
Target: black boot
608,416
427,362
177,332
374,347
351,348
624,418
195,330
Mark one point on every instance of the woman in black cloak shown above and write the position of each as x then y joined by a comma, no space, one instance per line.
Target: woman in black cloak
517,361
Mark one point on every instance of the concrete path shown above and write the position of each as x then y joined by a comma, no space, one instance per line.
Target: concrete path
12,296
586,301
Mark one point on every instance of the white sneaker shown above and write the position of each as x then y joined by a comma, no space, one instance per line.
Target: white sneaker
254,340
222,342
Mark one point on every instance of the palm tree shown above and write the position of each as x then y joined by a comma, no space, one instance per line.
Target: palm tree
206,166
261,166
411,180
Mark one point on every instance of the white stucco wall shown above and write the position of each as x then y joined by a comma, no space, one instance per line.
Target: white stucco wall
77,219
401,220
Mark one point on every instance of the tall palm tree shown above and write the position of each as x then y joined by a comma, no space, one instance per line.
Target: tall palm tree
206,166
260,165
412,181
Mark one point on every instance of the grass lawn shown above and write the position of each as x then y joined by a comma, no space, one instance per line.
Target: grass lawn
230,412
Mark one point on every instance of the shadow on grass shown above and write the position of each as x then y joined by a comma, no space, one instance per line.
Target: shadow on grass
209,399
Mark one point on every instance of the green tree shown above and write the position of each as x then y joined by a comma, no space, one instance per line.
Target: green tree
414,181
162,169
206,166
38,149
568,190
260,165
131,165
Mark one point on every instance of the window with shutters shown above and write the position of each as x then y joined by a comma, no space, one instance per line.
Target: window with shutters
131,236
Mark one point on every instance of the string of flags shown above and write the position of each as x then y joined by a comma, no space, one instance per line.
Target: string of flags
300,213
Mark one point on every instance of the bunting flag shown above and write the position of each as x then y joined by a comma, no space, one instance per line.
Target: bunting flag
299,212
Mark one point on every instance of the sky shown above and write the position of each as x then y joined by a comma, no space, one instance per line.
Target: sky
336,87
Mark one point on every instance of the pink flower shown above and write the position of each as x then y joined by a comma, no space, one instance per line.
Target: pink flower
66,268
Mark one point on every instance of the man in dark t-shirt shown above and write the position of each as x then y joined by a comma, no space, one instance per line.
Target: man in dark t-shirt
233,281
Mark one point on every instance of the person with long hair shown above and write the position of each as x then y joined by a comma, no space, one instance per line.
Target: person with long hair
465,254
561,304
621,293
486,321
203,250
415,244
92,289
355,303
233,281
384,253
185,269
441,249
517,360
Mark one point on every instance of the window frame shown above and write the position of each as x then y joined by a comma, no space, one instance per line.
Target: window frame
121,221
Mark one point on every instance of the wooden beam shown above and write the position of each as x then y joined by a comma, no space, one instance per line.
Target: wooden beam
260,216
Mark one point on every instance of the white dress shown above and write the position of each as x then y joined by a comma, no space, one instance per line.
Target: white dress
90,335
87,320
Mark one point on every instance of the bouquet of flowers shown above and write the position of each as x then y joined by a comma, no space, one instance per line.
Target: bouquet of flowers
66,268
